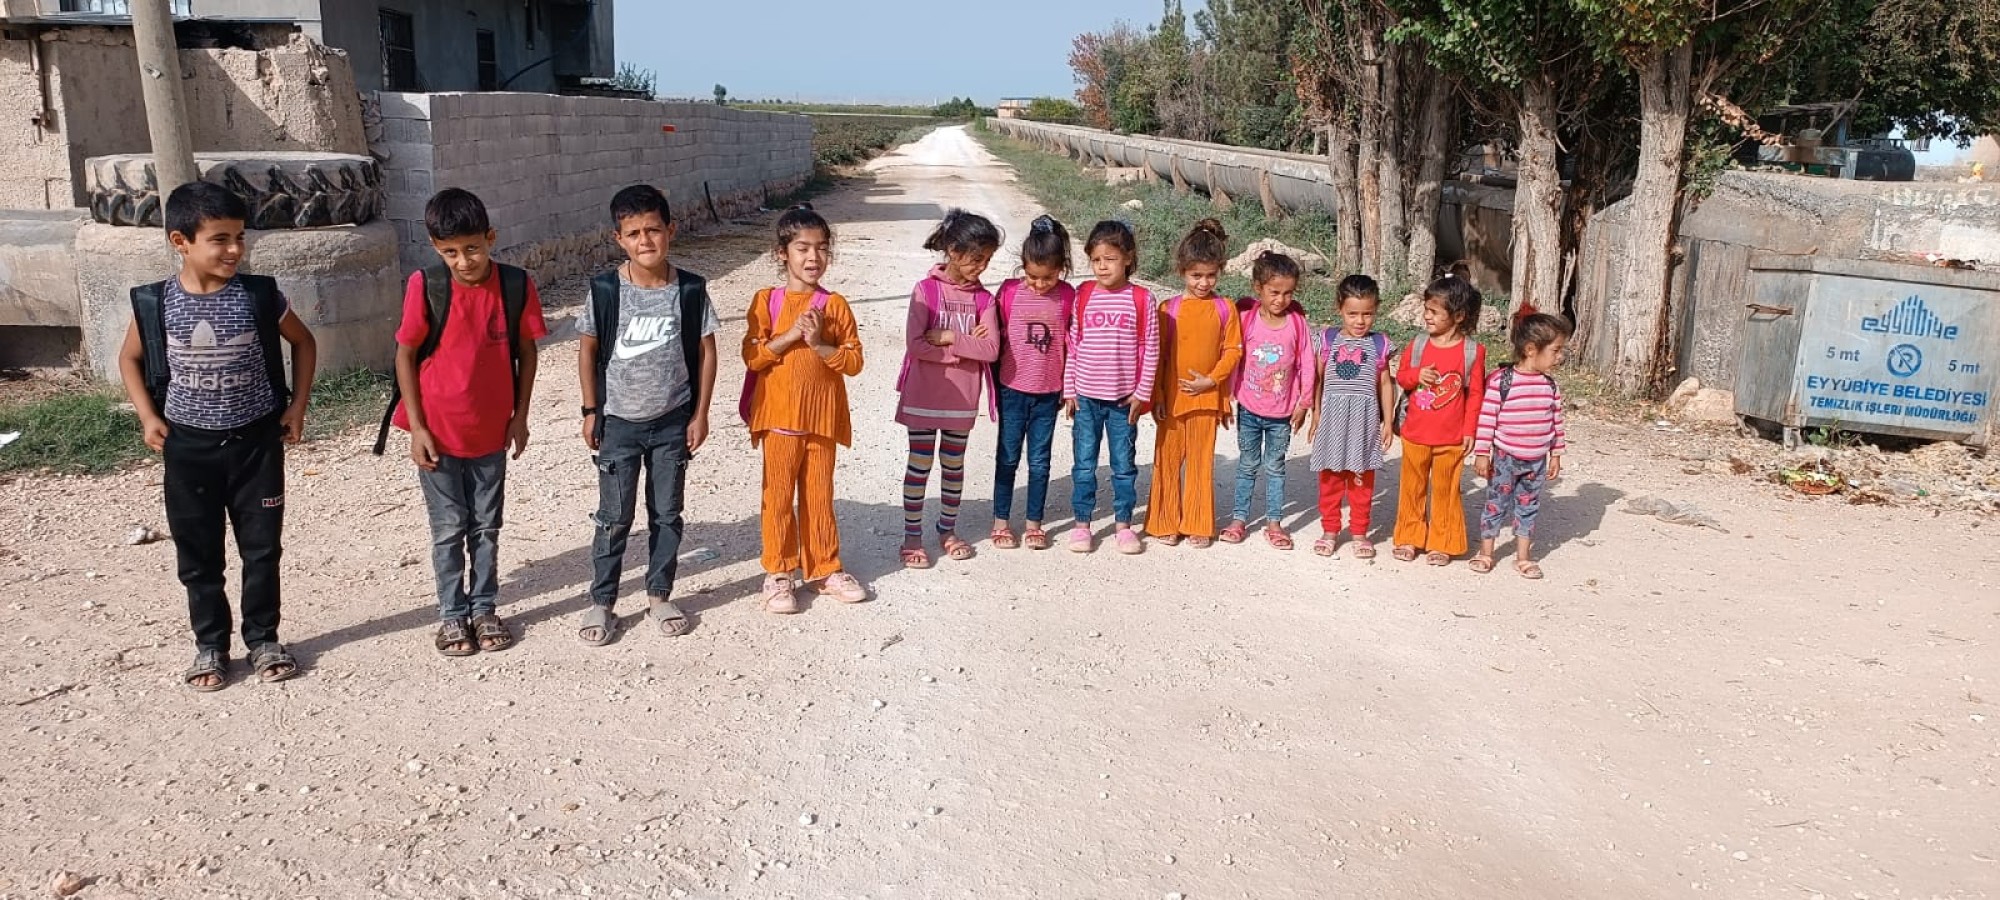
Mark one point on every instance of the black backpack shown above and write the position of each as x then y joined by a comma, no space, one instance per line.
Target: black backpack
604,315
437,310
148,301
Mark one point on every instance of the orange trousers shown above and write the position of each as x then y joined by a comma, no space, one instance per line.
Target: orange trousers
1430,511
798,469
1183,498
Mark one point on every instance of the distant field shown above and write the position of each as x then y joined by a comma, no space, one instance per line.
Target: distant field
843,139
840,109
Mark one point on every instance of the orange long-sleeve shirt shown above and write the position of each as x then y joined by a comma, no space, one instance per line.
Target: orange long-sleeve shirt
1198,341
799,390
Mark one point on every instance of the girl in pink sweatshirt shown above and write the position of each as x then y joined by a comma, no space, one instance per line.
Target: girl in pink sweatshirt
954,337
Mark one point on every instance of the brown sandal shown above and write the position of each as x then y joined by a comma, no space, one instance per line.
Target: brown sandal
492,633
454,638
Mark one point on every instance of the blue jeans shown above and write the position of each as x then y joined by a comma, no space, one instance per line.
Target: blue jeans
1028,419
465,498
1261,444
660,448
1097,420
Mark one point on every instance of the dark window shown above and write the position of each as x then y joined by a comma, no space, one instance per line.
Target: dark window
489,64
399,51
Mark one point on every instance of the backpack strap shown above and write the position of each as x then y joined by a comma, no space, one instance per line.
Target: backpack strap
269,304
1083,294
1471,353
1142,302
437,311
1503,381
604,296
1381,350
514,299
694,314
1009,289
1417,350
148,315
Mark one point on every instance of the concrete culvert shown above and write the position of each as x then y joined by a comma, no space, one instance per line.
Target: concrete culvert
284,189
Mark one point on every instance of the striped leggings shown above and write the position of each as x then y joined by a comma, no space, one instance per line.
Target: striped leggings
949,454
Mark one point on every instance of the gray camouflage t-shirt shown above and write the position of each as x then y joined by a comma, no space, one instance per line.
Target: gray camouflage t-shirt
648,373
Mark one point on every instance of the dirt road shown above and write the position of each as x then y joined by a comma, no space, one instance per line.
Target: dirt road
1805,705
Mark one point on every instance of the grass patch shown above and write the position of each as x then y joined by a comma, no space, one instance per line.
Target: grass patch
1080,197
346,400
92,430
84,432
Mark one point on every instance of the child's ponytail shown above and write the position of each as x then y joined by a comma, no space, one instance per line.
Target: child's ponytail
1206,244
1047,244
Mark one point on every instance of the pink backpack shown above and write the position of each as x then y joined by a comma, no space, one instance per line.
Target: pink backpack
1011,289
774,300
934,302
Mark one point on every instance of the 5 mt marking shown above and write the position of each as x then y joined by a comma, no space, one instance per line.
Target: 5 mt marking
1962,367
1839,355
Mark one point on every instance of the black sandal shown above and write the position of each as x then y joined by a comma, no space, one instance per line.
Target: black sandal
492,633
207,663
272,662
454,638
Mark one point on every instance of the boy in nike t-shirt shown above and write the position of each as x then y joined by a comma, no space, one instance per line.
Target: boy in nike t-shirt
646,387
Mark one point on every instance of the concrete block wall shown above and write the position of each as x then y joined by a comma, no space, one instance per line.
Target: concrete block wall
546,166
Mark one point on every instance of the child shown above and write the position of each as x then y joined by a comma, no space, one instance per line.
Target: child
465,378
1520,442
1352,412
1274,390
1444,371
1201,341
953,339
646,364
1034,318
203,368
1114,352
801,346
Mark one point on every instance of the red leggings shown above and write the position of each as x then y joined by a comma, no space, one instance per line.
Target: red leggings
1358,489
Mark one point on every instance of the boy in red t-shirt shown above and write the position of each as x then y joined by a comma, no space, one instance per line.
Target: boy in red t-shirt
463,405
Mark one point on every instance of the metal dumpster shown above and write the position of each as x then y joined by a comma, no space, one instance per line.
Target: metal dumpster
1872,347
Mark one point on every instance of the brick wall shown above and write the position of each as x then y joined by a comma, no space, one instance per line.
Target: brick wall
546,166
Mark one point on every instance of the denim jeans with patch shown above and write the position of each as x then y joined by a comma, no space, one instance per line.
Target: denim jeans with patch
465,498
660,448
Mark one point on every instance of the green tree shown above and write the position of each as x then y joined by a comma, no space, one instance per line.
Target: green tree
721,95
1053,109
633,78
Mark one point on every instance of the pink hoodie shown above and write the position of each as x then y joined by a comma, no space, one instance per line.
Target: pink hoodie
941,385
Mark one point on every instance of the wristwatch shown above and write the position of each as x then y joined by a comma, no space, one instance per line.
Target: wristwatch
589,411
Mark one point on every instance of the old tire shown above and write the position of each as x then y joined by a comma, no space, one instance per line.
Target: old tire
284,189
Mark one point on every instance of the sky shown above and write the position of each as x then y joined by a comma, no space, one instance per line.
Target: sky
868,51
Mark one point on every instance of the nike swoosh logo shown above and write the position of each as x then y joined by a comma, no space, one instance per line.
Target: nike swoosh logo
627,350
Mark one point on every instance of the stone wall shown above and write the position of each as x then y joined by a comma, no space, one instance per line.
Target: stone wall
546,166
72,93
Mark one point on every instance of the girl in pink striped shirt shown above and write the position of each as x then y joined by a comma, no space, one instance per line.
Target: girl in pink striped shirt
1519,443
1034,323
1114,352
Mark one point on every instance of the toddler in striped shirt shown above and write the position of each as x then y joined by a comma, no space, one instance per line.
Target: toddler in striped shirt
1519,444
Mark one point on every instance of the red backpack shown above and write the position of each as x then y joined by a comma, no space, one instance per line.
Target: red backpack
773,301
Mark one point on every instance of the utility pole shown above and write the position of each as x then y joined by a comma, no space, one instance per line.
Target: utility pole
166,104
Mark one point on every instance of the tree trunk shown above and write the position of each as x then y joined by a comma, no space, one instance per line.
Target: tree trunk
1369,149
1437,138
1642,314
1341,161
1537,227
1393,238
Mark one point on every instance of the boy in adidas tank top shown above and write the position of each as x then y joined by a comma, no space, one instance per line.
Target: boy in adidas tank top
646,363
203,366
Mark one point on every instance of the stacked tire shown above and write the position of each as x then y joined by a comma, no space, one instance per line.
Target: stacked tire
283,189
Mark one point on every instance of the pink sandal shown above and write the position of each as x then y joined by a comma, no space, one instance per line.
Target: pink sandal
1363,548
1234,533
1080,540
1325,545
1277,536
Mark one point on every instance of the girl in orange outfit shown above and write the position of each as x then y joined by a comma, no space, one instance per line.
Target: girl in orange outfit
1444,372
1201,341
801,346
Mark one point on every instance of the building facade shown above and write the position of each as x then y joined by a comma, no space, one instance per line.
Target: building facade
433,46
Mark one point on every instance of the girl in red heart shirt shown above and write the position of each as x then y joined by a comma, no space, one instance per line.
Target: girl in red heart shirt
1444,372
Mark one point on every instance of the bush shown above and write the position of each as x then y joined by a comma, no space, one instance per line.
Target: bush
1053,109
843,140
